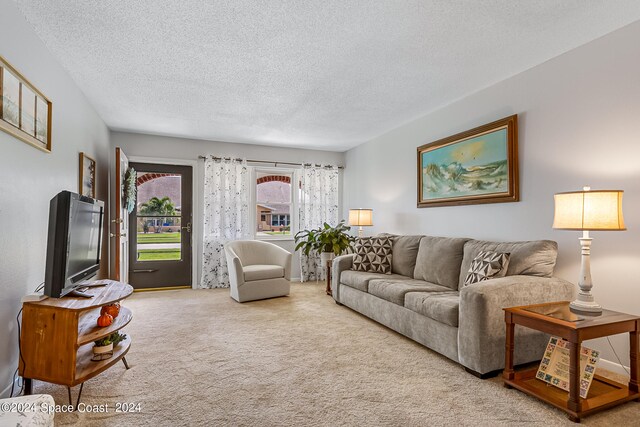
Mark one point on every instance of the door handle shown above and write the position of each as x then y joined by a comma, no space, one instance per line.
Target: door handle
114,235
117,221
142,271
188,227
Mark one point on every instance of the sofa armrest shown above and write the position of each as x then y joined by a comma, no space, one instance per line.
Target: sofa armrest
481,334
340,264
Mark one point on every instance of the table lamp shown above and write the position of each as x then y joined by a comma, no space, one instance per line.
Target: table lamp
598,210
360,218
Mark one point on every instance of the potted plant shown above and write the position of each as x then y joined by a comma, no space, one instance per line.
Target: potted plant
103,348
326,240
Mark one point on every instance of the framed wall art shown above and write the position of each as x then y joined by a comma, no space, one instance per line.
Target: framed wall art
87,178
24,111
476,166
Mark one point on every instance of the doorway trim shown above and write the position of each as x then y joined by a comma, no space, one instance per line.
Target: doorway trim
196,243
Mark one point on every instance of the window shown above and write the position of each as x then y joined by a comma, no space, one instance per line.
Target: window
274,203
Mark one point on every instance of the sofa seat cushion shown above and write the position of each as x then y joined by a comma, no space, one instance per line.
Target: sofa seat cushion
360,280
262,272
439,306
395,290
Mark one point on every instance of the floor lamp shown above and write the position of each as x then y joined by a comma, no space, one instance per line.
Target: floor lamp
598,210
360,217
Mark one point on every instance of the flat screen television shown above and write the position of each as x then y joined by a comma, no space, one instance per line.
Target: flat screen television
74,242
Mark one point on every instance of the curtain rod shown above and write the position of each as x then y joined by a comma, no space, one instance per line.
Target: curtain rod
269,161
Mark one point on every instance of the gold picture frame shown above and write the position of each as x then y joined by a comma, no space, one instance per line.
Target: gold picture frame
25,112
87,176
476,166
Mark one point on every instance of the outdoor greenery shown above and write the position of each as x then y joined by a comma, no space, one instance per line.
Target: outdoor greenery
159,254
325,239
156,206
159,238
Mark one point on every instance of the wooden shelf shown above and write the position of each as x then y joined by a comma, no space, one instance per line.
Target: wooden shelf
89,331
87,368
57,336
602,393
102,295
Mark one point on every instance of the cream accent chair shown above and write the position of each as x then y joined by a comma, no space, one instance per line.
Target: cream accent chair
257,270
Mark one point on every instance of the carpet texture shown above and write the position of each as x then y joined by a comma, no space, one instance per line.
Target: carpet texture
199,358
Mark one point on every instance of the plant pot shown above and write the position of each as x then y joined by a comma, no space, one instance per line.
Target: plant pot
326,256
102,352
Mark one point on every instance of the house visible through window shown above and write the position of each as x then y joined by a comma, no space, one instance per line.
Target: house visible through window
274,203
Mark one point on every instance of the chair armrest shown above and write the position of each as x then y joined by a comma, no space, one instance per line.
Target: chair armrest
481,334
340,264
234,265
279,256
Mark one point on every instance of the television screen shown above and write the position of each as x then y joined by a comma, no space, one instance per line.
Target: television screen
84,237
73,246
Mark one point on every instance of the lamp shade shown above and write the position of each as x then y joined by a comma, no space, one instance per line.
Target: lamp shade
360,217
589,210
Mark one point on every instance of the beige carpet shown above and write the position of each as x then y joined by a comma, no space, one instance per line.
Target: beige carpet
199,358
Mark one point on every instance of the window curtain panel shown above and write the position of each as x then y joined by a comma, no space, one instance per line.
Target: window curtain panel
318,203
226,215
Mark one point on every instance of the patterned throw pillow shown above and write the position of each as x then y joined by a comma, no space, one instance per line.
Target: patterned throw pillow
373,254
487,265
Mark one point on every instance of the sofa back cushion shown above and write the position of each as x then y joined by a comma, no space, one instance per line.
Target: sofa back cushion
533,258
404,251
439,260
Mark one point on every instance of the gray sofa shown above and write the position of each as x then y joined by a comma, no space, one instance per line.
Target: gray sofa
425,300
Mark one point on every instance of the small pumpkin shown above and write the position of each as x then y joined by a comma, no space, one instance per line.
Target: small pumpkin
105,320
112,309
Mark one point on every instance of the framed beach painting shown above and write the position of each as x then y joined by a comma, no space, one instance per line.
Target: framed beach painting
87,177
476,166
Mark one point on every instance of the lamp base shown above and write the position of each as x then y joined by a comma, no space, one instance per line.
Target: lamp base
585,302
585,306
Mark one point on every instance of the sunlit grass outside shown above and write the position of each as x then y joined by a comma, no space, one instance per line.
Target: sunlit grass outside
277,233
158,238
159,254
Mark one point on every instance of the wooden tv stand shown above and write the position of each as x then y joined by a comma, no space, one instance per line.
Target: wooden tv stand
58,333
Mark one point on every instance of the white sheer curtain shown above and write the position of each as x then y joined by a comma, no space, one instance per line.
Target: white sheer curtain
318,204
226,215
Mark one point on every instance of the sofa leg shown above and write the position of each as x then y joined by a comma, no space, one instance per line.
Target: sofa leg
483,376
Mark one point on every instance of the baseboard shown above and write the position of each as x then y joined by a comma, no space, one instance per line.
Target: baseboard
7,391
613,367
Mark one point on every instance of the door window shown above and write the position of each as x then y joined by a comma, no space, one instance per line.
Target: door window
159,227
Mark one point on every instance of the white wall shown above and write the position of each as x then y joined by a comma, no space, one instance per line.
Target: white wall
142,145
579,124
30,177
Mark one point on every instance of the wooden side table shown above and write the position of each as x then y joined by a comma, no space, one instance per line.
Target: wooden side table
328,288
558,320
58,333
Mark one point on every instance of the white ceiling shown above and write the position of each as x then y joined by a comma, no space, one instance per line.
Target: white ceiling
326,74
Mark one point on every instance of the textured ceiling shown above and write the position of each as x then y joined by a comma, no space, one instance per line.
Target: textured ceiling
326,74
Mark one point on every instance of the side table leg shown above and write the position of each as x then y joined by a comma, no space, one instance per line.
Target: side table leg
328,270
508,373
28,386
574,380
633,358
124,360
